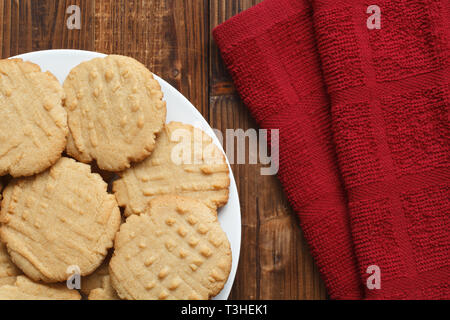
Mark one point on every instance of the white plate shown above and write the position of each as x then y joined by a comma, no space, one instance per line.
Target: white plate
60,62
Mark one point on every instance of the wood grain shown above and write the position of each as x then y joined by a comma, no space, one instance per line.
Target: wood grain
173,38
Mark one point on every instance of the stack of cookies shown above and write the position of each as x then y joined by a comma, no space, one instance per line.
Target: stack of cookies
97,185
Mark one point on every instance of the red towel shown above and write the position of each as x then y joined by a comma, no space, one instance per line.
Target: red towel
366,106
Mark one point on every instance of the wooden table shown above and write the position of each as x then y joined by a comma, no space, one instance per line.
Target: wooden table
173,38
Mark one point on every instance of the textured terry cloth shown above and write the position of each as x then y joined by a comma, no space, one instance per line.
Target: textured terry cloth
389,90
271,55
390,112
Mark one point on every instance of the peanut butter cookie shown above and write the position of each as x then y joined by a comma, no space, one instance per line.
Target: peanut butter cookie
60,218
33,129
25,289
115,110
185,162
175,250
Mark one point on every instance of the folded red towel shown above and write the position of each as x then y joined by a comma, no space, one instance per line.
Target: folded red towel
390,107
271,54
388,125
